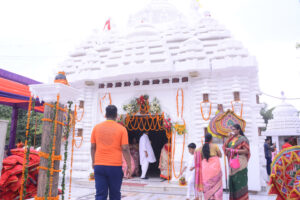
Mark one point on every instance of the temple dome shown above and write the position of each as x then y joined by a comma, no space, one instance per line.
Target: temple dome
143,30
157,12
285,121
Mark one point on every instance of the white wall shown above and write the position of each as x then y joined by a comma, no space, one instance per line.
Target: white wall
3,129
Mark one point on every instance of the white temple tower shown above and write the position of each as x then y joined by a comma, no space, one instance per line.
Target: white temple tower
164,52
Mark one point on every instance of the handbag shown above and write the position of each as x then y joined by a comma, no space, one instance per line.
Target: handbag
234,162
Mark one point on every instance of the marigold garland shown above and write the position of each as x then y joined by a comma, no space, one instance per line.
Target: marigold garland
103,98
173,154
81,117
201,108
53,146
182,102
72,151
26,158
66,150
242,105
80,144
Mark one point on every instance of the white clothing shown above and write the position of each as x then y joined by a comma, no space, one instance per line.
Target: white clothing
145,145
144,169
190,176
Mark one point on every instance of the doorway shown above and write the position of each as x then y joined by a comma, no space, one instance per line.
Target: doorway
157,138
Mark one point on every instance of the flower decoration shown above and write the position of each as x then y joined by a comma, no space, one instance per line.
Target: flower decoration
143,106
121,120
132,107
91,176
180,128
155,106
167,123
182,181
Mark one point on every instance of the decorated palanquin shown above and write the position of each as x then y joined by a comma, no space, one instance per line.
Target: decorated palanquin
220,125
11,176
285,175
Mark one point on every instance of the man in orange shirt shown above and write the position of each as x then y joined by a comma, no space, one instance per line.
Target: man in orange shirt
286,144
108,141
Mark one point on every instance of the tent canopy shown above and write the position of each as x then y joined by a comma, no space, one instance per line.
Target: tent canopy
14,90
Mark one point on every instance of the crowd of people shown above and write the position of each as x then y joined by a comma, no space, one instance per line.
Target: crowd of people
109,141
271,151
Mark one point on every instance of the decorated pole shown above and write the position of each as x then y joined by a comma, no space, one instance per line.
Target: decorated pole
56,96
50,150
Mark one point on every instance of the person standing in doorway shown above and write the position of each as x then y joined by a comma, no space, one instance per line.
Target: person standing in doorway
268,154
146,154
286,143
108,141
165,162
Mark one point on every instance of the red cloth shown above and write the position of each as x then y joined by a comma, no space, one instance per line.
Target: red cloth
10,180
286,145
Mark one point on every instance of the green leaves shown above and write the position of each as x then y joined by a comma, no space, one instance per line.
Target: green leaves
266,114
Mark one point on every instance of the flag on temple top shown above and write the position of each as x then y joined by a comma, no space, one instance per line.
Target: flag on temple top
107,25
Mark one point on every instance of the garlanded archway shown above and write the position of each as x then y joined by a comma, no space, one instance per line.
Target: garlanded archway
143,115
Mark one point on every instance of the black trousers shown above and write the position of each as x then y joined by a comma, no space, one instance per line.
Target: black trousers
269,161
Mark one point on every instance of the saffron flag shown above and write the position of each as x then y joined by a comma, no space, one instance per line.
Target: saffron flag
107,24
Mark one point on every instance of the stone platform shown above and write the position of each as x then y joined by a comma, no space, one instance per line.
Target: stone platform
139,185
151,189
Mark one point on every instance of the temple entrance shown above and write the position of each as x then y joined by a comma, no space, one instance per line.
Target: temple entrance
157,136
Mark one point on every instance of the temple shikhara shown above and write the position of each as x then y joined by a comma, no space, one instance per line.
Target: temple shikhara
182,68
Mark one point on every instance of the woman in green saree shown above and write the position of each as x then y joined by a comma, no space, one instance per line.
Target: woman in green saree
238,177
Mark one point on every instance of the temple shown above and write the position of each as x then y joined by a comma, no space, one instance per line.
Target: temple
161,52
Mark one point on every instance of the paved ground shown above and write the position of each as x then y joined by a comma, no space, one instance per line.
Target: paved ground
86,191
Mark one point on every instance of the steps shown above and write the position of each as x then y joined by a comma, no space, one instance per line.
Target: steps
152,185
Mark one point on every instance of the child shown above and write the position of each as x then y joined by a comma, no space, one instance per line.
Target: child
190,173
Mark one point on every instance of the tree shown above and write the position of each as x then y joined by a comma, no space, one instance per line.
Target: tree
266,114
5,113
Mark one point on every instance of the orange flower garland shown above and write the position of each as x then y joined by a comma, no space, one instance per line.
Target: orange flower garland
242,105
201,108
182,102
72,152
24,161
173,154
103,98
81,117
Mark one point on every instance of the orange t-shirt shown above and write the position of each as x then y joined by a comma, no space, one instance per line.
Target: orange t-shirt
109,136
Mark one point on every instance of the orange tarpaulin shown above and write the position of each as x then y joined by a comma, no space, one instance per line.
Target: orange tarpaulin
14,87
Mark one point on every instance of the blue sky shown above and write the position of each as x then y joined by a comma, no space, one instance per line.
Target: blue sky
37,35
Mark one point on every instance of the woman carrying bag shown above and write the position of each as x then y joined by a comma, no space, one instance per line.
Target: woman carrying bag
237,151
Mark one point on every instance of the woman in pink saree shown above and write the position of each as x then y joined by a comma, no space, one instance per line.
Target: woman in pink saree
134,157
208,170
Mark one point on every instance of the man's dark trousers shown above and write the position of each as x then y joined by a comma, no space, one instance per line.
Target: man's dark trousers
269,161
108,178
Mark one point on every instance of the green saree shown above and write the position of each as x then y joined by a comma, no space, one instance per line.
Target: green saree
238,178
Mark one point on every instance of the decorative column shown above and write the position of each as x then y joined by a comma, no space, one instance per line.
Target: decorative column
56,96
3,128
13,127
